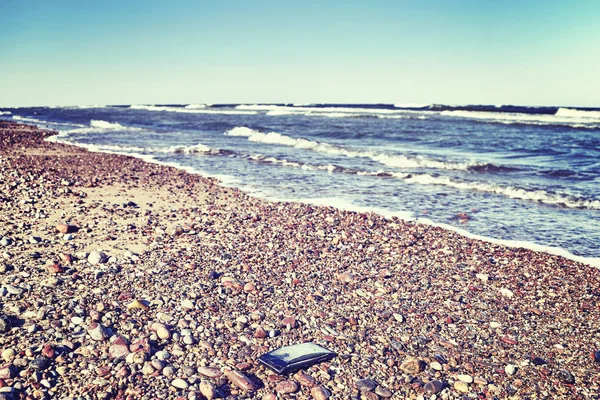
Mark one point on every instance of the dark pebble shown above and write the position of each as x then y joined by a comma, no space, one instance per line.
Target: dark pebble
5,324
365,385
40,363
566,377
538,361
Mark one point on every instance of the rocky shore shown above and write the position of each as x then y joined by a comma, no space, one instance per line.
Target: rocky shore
129,280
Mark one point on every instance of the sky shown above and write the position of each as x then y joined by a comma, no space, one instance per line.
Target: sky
526,52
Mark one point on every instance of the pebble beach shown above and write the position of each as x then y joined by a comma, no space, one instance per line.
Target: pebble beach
122,279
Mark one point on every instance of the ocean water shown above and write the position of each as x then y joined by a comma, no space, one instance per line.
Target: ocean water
525,176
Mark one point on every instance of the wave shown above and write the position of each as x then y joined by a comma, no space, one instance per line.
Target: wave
195,106
411,105
396,161
194,149
572,113
317,109
541,196
187,110
5,113
26,119
574,121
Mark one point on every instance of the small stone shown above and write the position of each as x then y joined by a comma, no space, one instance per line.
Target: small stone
289,322
119,348
433,387
169,371
97,332
239,379
138,304
5,324
436,366
538,361
510,369
8,354
40,363
480,381
399,317
161,331
163,355
62,228
54,269
495,325
482,277
320,393
383,392
285,387
8,372
412,366
566,377
207,389
346,277
461,386
210,372
187,304
249,287
365,385
305,380
465,378
148,369
506,292
260,333
180,383
97,257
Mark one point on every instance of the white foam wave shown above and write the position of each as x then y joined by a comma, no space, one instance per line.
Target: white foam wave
410,105
575,120
541,196
320,110
195,149
188,110
25,119
396,161
195,106
569,112
5,113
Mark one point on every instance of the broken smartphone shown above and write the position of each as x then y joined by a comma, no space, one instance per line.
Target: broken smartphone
292,358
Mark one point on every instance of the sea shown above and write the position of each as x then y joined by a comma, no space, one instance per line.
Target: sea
520,176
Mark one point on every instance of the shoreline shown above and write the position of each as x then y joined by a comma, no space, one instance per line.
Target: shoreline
387,296
549,249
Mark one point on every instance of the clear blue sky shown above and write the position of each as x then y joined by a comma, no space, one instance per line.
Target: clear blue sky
476,51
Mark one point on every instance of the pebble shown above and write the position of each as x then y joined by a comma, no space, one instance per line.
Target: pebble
239,379
465,378
208,389
210,372
461,386
286,387
510,369
97,332
138,304
566,377
97,257
180,383
365,385
412,366
319,393
433,387
383,392
8,354
161,331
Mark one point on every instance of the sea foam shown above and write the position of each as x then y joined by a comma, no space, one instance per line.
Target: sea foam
192,110
391,160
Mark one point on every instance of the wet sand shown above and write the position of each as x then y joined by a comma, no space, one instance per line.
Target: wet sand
124,279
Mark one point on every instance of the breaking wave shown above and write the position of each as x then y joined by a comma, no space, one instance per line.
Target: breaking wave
5,113
570,118
195,106
192,110
541,196
396,161
569,112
